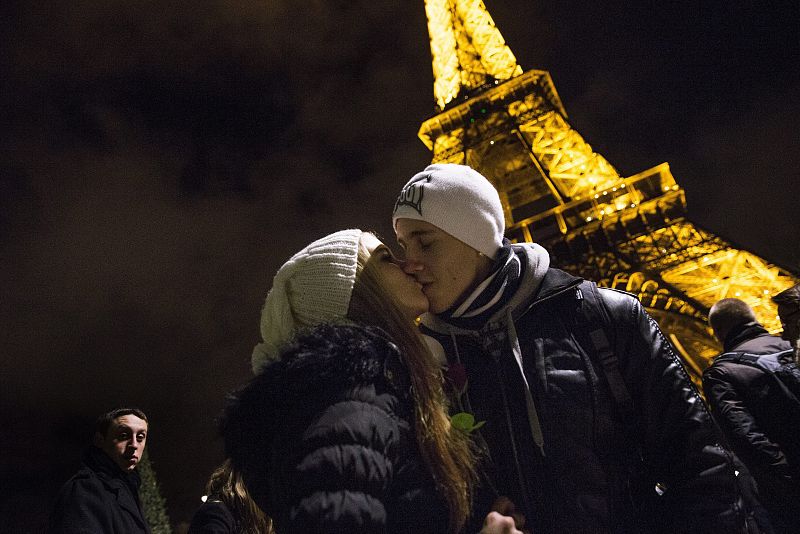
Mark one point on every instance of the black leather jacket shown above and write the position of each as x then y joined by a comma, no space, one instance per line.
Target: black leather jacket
600,467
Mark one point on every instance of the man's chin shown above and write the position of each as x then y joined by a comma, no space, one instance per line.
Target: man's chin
437,303
433,306
435,309
130,465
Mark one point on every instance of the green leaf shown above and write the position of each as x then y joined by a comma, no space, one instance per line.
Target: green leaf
465,422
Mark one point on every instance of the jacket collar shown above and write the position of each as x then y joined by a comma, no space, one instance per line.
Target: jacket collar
741,333
99,462
124,485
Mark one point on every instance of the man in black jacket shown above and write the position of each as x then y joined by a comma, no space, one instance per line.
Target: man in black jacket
589,419
735,325
750,404
788,302
103,496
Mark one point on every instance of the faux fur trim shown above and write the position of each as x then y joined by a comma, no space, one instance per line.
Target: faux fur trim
327,355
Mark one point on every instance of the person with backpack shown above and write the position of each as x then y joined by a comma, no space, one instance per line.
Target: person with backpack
735,325
587,416
752,389
788,302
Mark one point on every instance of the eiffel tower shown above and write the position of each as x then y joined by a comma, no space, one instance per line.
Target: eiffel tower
631,233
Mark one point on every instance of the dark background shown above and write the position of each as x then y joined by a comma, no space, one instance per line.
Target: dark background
159,161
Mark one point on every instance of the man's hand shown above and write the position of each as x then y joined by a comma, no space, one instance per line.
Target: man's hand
496,523
503,519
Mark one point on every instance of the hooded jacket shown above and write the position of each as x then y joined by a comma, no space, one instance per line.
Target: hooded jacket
324,438
99,498
759,418
569,457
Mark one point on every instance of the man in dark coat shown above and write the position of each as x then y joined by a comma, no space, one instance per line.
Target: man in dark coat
590,420
788,302
103,496
735,325
757,414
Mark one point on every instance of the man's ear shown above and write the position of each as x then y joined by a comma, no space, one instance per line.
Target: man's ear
98,440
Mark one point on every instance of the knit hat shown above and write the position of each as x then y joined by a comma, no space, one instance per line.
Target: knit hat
458,200
313,287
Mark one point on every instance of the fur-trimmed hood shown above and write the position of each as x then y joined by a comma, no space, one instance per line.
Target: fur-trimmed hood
345,353
328,356
324,438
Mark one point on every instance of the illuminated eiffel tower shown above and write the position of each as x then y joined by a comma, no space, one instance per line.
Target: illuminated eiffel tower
631,233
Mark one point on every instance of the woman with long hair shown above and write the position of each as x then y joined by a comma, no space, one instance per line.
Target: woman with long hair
345,426
228,508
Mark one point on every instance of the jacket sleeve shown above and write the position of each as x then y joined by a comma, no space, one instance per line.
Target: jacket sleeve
213,517
80,509
341,469
687,479
739,426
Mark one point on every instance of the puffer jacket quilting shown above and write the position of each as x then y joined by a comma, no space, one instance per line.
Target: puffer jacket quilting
330,444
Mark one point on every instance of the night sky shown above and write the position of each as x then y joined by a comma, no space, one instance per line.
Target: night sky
161,160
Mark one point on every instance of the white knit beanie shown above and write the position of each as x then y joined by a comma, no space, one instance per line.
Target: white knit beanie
458,200
313,287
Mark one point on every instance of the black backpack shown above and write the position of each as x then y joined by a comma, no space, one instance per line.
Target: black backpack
781,366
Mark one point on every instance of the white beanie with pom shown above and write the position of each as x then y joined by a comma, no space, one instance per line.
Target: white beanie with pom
313,287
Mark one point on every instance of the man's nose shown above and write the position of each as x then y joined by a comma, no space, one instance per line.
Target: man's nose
411,266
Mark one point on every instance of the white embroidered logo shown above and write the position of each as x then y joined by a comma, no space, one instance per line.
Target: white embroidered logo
412,194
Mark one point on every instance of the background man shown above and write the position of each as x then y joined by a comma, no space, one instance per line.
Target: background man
789,311
735,325
104,494
591,423
748,401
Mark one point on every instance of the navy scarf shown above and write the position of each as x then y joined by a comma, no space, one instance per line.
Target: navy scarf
491,295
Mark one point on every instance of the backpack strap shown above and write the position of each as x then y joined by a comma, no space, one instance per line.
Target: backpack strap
596,321
766,362
781,369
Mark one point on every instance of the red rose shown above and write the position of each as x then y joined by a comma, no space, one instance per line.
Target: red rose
457,376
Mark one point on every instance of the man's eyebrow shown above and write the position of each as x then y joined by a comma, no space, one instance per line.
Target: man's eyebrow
417,233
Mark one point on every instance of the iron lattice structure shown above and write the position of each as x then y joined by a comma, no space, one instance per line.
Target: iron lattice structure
629,233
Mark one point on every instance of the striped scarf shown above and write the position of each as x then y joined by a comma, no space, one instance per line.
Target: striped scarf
490,295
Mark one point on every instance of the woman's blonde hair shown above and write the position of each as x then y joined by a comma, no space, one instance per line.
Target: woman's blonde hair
227,485
448,452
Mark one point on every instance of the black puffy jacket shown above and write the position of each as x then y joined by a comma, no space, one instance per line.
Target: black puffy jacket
324,438
600,466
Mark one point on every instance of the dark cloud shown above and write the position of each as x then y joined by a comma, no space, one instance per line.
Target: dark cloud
160,161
